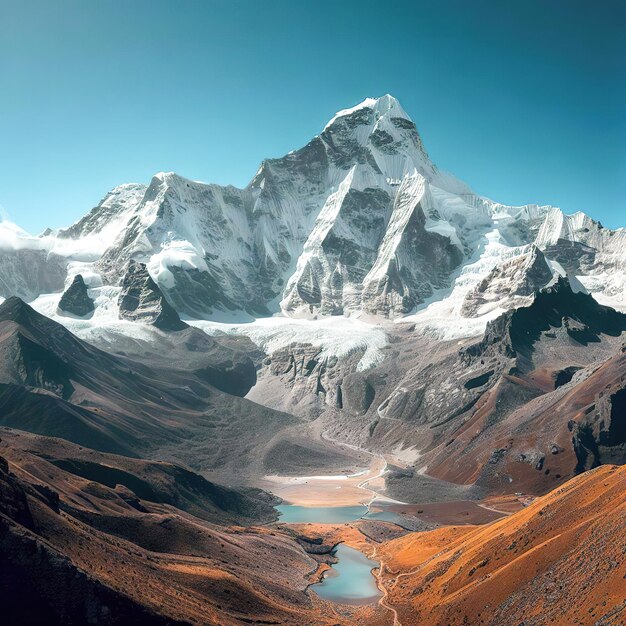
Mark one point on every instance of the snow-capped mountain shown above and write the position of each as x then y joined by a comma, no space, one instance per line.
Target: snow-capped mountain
358,221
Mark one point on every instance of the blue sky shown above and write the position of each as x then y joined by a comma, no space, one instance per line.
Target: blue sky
524,100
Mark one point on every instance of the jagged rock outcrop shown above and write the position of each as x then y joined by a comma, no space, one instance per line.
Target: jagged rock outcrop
357,393
309,374
75,299
509,284
556,311
586,248
141,300
411,260
600,437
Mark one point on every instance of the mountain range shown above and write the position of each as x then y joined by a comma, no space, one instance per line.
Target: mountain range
185,347
358,221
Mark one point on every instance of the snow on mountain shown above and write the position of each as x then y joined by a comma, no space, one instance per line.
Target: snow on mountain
338,337
357,222
510,283
412,260
110,217
214,248
584,248
385,105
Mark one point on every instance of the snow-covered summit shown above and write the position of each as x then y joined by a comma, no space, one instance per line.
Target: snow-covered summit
386,105
357,221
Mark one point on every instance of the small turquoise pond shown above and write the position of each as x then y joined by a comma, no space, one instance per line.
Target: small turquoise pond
384,516
350,581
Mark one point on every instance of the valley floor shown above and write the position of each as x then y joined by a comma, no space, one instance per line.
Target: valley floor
556,559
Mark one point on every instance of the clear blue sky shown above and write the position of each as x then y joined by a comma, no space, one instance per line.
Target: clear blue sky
524,100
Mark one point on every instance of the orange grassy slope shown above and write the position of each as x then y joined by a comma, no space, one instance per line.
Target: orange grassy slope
562,560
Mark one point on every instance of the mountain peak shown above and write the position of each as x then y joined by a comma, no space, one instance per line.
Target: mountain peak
13,308
165,177
386,105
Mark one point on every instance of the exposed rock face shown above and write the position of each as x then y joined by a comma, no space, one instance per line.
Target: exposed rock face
510,284
489,415
357,394
507,412
313,380
29,273
339,251
556,310
587,249
600,437
411,260
141,300
75,299
371,251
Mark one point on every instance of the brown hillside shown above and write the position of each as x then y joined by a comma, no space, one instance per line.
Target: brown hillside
562,560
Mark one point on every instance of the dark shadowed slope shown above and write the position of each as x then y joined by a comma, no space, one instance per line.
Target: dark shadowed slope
157,482
553,409
52,383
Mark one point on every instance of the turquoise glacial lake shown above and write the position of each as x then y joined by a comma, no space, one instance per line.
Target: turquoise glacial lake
293,514
350,581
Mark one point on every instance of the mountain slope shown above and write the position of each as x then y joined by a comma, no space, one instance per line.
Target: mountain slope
52,383
533,402
92,538
559,561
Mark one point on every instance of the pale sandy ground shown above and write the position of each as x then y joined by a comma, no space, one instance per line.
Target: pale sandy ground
361,487
342,490
364,488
